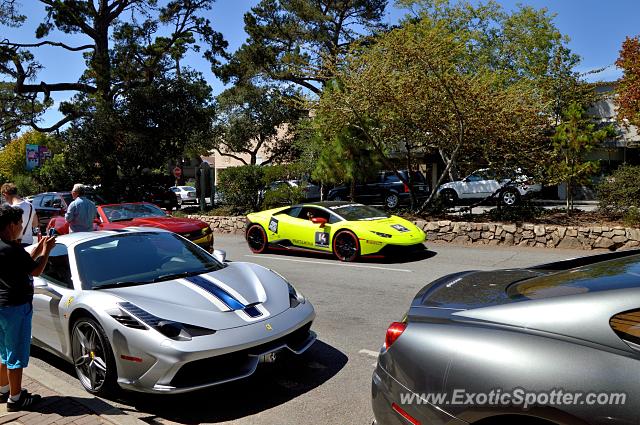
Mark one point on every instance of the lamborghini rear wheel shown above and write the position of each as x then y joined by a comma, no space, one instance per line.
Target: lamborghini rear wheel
257,239
346,246
93,357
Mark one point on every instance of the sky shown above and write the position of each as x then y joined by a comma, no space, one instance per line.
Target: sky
596,30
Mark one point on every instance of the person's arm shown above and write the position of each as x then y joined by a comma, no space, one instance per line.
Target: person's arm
71,213
45,245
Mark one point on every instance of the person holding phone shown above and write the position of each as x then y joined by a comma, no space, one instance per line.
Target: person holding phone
16,295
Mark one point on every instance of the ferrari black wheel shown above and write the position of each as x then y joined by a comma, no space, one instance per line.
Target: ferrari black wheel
257,239
93,357
346,246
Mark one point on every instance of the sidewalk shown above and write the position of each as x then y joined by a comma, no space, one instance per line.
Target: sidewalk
71,406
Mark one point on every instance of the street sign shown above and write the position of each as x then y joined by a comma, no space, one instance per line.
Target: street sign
177,172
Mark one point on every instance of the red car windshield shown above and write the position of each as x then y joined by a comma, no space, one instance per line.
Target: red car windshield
125,212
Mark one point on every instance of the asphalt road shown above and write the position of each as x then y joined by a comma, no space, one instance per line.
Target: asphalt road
330,383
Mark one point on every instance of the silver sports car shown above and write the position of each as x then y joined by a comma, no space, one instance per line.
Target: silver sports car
552,344
147,310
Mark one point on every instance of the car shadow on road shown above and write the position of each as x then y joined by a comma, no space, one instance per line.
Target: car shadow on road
389,259
271,385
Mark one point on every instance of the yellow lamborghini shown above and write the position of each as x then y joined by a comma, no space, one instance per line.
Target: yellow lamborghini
346,230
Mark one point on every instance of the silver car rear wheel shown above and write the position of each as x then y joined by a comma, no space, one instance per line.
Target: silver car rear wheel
92,357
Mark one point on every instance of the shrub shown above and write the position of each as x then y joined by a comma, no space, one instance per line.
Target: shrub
241,187
520,212
26,184
632,217
284,195
621,191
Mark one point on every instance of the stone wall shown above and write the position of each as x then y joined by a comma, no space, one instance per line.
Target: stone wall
223,224
536,235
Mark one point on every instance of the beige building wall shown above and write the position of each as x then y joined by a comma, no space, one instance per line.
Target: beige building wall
220,162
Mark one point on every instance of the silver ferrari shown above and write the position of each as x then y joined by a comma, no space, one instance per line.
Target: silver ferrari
146,310
555,344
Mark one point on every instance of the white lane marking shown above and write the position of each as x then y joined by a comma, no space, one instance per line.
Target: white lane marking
369,353
329,263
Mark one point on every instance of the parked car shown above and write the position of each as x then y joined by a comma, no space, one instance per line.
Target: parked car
347,230
54,204
144,214
158,195
185,194
149,311
310,191
385,189
571,327
484,182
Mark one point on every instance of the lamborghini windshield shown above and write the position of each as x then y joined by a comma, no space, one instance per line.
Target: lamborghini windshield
138,258
353,212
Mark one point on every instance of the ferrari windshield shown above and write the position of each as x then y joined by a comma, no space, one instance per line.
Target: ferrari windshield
140,258
123,212
352,212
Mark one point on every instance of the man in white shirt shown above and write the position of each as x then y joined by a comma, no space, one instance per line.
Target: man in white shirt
29,218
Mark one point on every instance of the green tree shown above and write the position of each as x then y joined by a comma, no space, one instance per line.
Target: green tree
407,94
294,41
129,44
13,158
151,125
576,136
629,85
523,44
256,120
9,14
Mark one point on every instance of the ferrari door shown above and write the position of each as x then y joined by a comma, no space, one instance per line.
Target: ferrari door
53,289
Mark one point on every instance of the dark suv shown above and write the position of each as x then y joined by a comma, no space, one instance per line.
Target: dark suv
385,188
51,204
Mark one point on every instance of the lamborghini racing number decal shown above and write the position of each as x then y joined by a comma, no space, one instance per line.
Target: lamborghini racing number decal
400,228
273,225
322,239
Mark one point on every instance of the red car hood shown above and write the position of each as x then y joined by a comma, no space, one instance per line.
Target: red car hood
173,224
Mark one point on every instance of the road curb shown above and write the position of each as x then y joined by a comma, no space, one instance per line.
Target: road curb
98,406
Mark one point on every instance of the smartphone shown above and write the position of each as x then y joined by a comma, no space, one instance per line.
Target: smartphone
52,232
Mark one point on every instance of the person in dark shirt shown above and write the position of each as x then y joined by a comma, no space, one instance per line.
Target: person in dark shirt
16,294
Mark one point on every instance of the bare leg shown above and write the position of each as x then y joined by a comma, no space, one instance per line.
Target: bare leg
15,381
4,378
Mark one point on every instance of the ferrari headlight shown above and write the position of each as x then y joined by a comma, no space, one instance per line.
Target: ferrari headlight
295,298
169,328
382,235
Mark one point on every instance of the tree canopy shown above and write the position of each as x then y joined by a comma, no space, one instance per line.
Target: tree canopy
414,91
629,87
294,41
129,43
256,119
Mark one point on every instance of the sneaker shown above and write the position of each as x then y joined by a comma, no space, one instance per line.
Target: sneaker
4,397
25,402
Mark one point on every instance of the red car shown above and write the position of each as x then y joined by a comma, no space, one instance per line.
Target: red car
144,214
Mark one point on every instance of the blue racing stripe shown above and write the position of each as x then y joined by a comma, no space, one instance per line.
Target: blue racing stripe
228,299
252,311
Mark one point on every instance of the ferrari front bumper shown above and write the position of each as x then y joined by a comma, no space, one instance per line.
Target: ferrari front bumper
228,355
